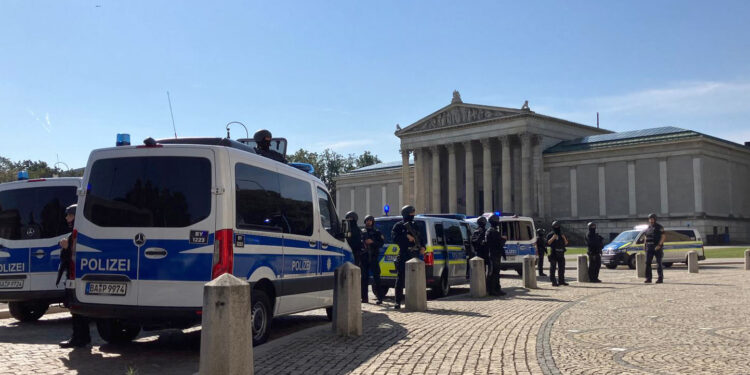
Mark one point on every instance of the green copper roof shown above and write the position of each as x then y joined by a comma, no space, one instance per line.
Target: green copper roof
622,139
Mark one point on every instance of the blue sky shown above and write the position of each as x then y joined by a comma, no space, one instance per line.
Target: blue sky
342,74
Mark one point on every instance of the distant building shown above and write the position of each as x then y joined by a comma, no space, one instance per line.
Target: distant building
553,169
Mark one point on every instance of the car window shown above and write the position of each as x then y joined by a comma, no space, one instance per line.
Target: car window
258,199
328,217
453,235
679,235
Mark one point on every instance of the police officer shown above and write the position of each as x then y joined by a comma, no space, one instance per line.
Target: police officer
263,141
557,242
595,244
541,250
496,246
355,240
479,244
373,240
654,247
410,245
81,335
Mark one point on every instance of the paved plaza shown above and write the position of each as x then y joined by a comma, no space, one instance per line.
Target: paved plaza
692,324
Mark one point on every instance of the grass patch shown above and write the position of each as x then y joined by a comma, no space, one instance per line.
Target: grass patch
576,250
730,252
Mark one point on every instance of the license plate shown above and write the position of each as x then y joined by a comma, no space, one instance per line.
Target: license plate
11,284
107,289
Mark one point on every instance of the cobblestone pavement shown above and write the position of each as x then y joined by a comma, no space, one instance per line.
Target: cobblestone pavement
694,323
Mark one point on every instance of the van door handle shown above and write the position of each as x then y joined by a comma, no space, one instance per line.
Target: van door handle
323,245
313,243
155,253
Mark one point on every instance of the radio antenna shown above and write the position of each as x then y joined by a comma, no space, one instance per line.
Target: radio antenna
171,114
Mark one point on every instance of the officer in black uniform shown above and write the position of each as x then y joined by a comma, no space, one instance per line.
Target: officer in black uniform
557,243
654,246
263,141
479,244
355,240
595,244
541,250
373,240
496,246
410,245
81,335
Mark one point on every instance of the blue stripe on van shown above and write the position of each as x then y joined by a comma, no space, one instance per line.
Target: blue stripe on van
16,262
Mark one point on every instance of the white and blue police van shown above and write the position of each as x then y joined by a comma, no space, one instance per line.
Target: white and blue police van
521,234
32,223
156,222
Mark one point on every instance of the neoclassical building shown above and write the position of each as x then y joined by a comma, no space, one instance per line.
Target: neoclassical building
469,158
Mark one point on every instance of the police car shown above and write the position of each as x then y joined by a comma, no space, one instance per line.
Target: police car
521,234
678,242
156,222
32,222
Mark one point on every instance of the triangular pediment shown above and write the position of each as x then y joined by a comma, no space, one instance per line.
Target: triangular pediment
459,114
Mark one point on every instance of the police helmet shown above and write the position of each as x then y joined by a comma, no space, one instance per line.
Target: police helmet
652,216
592,225
71,210
555,224
351,215
482,221
494,220
541,232
407,210
369,217
261,135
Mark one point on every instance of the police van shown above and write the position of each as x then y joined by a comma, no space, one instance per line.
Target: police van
156,222
32,222
678,242
447,243
521,234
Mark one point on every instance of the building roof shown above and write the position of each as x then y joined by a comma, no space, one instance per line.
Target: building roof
622,139
375,167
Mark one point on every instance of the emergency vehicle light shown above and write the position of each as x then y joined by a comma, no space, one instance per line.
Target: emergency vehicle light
23,175
387,209
123,139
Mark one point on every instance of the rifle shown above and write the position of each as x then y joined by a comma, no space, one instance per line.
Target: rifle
414,233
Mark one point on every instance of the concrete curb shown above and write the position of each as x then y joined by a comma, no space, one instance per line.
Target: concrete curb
5,314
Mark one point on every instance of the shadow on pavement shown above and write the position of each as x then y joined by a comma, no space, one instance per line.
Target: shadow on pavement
445,312
39,332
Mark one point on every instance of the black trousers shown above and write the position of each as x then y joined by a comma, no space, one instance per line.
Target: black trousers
557,262
81,331
401,278
540,261
651,252
493,281
370,264
595,264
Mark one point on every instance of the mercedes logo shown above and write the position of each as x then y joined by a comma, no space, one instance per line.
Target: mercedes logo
30,231
139,239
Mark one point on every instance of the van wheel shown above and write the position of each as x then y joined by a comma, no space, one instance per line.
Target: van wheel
631,262
444,288
667,264
610,266
261,316
115,331
27,311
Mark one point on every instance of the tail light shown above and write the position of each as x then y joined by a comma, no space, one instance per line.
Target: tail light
72,266
429,259
223,253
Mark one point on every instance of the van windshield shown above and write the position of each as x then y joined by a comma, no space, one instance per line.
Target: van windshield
155,191
35,213
386,226
627,236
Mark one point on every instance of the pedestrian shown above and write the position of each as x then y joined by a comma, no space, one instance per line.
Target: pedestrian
541,250
373,240
479,244
355,239
595,244
410,245
654,246
557,242
262,140
495,241
81,335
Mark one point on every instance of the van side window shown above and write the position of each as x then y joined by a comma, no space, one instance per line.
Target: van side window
297,204
679,235
526,232
453,235
439,233
258,195
328,217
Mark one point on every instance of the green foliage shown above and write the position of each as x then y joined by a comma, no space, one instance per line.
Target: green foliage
330,164
37,169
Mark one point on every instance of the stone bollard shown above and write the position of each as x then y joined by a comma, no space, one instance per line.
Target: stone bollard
416,285
583,269
347,301
747,260
640,264
692,262
227,334
529,276
478,287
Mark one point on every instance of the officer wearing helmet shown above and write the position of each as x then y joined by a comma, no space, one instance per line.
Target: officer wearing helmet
479,244
262,140
411,244
557,242
654,247
373,240
495,242
541,250
595,244
355,240
81,335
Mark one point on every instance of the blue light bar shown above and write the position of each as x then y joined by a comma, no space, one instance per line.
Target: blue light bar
23,175
387,209
123,139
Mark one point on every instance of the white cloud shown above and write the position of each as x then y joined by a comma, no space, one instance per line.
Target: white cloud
46,124
344,144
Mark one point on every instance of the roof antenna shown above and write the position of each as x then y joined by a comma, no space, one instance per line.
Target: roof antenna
597,120
171,114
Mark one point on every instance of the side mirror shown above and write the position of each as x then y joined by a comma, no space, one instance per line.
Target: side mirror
346,229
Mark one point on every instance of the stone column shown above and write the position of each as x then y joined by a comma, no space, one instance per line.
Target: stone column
573,192
526,174
435,206
663,187
419,180
368,209
631,189
507,186
469,166
602,191
698,184
405,176
487,175
452,179
538,177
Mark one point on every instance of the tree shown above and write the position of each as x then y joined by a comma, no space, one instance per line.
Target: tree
37,169
330,164
367,159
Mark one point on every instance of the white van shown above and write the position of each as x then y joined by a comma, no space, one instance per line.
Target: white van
32,222
521,239
678,242
156,222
